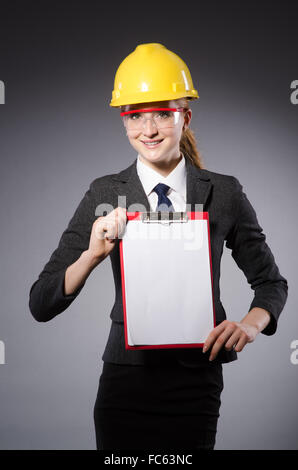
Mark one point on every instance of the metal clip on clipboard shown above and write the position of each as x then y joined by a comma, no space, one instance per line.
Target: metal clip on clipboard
164,217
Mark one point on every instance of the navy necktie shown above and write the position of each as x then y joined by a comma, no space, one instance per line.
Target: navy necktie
161,189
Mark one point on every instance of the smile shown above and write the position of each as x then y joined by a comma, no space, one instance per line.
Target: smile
153,143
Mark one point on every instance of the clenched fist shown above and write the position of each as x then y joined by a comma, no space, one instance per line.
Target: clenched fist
104,232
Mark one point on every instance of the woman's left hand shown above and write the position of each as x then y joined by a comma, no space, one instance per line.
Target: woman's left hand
229,334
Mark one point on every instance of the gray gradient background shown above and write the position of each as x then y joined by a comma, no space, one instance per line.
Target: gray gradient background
58,133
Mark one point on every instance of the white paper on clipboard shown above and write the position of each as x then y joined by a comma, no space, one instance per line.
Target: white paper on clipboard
167,281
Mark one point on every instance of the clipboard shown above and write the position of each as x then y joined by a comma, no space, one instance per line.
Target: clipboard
167,281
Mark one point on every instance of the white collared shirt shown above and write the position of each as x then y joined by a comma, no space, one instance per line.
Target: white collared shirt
176,180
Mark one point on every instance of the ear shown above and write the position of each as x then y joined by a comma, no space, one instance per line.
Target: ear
187,118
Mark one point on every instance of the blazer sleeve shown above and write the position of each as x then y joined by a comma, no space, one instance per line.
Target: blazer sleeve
47,297
254,257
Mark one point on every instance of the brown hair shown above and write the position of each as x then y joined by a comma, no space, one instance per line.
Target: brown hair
188,142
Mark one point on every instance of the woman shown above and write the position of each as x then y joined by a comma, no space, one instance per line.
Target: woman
161,398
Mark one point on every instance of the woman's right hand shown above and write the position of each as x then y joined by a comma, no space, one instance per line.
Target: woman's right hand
104,231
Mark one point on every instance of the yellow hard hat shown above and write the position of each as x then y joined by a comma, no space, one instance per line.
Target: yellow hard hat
152,73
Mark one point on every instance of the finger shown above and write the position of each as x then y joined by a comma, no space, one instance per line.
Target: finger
233,339
119,213
100,228
118,219
122,211
214,335
122,221
109,239
112,230
121,226
241,343
108,229
221,340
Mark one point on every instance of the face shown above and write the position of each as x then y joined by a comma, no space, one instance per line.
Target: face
168,149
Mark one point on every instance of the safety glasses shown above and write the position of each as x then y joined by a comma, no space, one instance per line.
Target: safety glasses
163,118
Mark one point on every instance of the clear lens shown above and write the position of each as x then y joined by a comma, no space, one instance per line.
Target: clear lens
161,119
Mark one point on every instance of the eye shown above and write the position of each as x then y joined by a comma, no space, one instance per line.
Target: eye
164,114
134,116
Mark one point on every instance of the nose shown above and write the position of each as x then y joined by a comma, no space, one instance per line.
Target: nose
149,128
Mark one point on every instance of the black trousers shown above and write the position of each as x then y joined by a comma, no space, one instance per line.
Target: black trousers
158,407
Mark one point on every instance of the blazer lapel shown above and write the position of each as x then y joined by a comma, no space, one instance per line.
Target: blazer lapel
198,186
127,183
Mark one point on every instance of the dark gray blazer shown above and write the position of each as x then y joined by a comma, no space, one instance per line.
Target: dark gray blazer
232,220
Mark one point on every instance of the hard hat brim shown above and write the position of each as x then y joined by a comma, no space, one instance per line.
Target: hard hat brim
149,97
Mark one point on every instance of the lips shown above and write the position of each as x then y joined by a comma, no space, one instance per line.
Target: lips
151,143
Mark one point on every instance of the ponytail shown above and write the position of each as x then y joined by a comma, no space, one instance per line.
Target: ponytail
188,143
188,147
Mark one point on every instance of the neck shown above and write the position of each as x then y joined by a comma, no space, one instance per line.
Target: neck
165,167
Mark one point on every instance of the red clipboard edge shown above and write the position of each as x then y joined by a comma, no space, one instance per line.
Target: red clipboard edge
136,216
